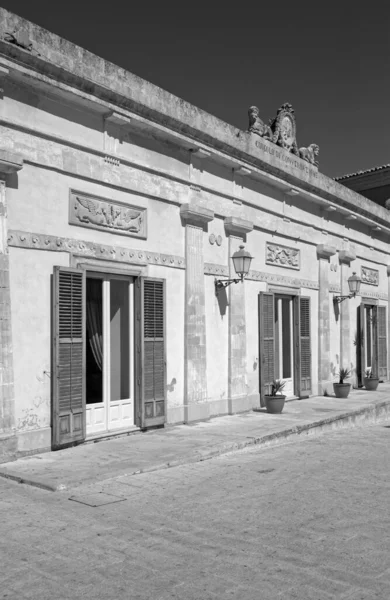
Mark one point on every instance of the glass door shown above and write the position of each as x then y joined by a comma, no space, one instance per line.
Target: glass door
110,353
284,350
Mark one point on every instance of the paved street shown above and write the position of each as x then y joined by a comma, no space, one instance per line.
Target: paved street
306,520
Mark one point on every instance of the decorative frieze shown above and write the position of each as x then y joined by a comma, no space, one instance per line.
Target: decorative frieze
214,269
282,256
38,241
98,213
370,276
377,295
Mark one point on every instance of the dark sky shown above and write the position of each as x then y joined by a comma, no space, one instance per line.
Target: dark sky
330,60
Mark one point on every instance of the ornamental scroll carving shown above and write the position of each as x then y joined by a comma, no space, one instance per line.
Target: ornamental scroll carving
281,256
98,213
370,276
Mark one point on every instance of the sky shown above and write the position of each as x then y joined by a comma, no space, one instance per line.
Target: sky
330,60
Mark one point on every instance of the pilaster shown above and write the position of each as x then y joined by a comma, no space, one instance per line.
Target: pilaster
238,400
9,163
195,219
345,258
324,252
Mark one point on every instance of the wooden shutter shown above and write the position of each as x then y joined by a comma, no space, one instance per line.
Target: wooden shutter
382,343
152,360
68,372
360,345
305,387
266,343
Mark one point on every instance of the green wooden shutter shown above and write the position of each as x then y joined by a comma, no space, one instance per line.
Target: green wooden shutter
305,385
68,372
266,343
152,397
382,343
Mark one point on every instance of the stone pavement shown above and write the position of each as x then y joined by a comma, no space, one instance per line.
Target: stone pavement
185,444
300,521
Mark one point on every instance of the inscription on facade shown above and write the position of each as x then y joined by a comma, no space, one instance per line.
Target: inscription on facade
98,213
370,276
281,256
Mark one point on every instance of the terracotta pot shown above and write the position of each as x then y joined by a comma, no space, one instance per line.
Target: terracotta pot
341,389
371,383
275,404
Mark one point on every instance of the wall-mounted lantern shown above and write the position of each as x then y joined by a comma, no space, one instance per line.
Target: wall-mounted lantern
354,287
241,262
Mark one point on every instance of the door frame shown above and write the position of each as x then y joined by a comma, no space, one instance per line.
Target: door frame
294,293
294,346
373,303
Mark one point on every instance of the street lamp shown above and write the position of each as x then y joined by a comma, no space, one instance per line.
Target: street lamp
354,286
241,262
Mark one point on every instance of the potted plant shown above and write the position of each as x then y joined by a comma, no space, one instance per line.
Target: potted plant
342,389
274,401
370,382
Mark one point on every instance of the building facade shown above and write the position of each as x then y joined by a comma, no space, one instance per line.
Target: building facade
121,205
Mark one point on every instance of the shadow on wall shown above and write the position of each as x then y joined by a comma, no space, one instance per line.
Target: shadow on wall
171,386
222,301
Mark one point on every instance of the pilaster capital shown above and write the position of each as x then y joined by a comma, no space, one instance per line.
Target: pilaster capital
347,256
10,162
237,227
325,251
193,214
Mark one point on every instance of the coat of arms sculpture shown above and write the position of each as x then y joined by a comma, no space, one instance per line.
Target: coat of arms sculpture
282,131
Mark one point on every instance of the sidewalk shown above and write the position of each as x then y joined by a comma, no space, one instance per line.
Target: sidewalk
184,444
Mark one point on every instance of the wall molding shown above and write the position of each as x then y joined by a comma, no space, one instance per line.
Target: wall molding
90,164
295,282
41,241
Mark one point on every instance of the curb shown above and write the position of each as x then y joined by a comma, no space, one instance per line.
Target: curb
364,416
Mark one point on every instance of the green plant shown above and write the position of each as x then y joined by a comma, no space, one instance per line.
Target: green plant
344,374
277,386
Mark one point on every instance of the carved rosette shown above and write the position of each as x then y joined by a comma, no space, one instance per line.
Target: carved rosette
98,213
370,276
282,256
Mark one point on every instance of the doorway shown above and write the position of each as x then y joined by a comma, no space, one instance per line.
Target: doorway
284,343
109,371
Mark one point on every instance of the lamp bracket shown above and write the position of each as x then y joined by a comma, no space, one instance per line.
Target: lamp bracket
339,299
224,283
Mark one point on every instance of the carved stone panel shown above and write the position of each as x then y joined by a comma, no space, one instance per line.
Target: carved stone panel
370,276
98,213
281,256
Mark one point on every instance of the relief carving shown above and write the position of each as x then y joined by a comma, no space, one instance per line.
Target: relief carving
370,276
97,213
282,131
282,256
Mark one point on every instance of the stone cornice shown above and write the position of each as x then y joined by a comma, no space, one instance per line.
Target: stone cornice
325,251
10,162
237,227
66,62
196,215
